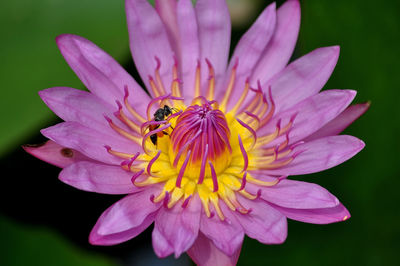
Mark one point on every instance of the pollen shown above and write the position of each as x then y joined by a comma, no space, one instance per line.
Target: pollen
202,149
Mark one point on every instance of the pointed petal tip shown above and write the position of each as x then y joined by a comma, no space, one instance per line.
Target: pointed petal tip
95,239
66,37
295,4
333,51
361,145
272,6
351,95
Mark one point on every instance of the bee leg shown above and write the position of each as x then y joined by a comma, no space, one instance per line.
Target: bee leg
165,133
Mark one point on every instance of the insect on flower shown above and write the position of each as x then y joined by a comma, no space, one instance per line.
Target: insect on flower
159,116
238,132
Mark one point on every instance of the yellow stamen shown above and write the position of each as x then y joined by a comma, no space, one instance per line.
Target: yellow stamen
229,89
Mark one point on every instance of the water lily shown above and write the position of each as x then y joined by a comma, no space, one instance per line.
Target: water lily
208,154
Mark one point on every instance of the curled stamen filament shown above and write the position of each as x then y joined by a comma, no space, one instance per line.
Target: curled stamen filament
130,162
121,116
211,83
244,153
242,97
151,123
148,169
214,177
121,131
230,86
182,170
203,165
251,130
130,108
183,148
152,133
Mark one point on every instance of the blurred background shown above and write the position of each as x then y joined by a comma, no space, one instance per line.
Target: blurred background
45,222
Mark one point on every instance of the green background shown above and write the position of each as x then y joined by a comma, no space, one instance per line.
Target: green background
34,232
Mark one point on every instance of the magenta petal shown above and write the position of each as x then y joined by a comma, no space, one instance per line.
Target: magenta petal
298,195
204,253
263,223
189,47
341,122
125,219
79,106
162,247
214,33
100,178
249,50
281,46
176,228
317,216
100,73
55,154
321,154
166,9
90,142
303,78
148,41
310,114
226,235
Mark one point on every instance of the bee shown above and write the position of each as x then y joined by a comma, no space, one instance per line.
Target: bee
160,115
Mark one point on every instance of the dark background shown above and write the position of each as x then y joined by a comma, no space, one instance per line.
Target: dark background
45,222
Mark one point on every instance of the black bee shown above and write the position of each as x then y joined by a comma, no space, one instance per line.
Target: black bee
160,115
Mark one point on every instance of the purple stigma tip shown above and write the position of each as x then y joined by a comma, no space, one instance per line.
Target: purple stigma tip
158,62
152,198
107,118
186,202
126,91
119,104
166,199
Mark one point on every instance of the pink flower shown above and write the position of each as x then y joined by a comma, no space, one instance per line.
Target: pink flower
207,154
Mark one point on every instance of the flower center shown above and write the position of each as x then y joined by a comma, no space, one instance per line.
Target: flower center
202,149
201,139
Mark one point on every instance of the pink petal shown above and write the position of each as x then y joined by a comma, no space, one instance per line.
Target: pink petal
148,41
321,154
298,195
125,219
100,178
341,122
90,142
263,223
226,235
215,34
79,106
317,216
249,50
166,9
55,154
161,246
204,253
280,48
100,73
310,115
189,46
303,78
176,229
